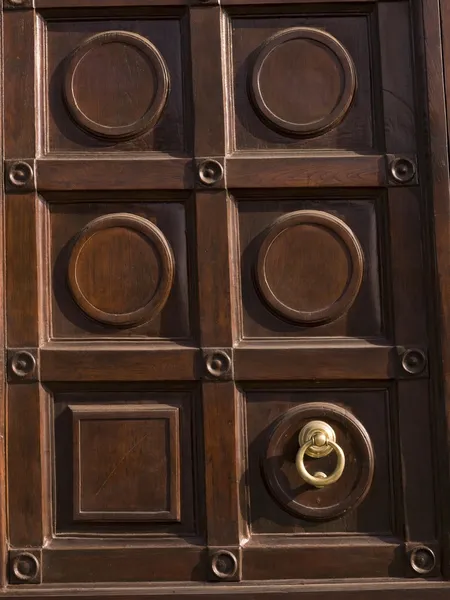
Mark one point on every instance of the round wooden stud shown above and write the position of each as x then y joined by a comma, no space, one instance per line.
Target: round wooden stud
210,172
23,363
414,361
25,566
20,174
224,564
403,170
422,560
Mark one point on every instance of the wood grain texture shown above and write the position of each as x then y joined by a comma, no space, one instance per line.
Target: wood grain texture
19,95
25,502
21,275
308,171
263,362
213,232
434,53
113,174
223,463
151,458
181,562
69,363
363,589
207,86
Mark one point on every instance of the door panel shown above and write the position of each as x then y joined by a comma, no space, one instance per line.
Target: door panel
216,235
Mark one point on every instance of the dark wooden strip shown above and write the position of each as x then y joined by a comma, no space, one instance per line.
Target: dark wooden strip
21,274
222,463
144,563
213,223
117,363
397,76
435,170
338,2
24,466
305,171
207,85
322,560
308,362
414,424
408,281
415,589
19,93
40,4
114,174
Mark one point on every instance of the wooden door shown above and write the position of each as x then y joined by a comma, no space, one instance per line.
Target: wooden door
218,233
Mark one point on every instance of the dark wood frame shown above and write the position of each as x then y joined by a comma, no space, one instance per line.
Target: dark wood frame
433,52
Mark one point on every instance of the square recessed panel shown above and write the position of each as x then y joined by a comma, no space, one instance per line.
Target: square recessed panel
125,460
280,501
310,268
302,82
118,270
115,86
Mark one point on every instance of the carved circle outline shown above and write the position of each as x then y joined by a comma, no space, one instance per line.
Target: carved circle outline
153,113
293,420
214,564
32,559
167,267
339,112
353,247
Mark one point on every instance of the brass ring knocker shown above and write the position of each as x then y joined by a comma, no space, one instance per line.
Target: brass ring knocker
318,439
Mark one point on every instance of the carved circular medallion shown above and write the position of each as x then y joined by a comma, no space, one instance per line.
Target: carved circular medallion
303,81
121,270
116,85
25,566
310,267
284,481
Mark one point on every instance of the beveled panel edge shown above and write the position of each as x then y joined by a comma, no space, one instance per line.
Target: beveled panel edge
139,411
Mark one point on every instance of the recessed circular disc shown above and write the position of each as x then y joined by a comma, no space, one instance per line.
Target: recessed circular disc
116,85
310,267
303,81
121,270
